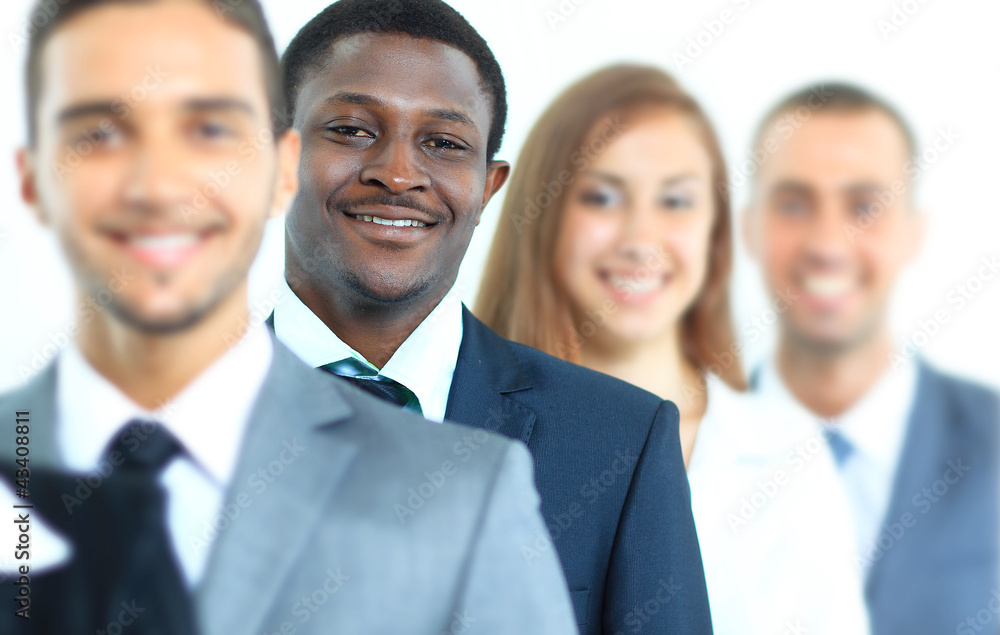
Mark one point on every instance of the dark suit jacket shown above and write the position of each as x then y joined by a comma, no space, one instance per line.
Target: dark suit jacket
609,469
941,570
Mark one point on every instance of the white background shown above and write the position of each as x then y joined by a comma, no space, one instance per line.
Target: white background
941,67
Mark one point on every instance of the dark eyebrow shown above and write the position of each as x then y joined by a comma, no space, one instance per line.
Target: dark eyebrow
85,110
448,114
679,178
864,188
219,103
356,99
617,181
361,99
110,108
791,187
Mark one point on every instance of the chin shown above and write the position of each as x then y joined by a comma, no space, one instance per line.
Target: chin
152,322
828,343
383,290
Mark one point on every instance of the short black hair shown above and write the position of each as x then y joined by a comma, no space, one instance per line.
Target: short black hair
431,19
837,98
47,15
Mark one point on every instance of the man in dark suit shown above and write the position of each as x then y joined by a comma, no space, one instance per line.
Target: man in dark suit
401,106
178,471
832,223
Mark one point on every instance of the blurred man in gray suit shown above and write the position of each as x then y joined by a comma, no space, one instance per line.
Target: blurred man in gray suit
914,452
178,470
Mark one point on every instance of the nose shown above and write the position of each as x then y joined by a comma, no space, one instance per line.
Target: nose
160,176
829,236
640,233
395,166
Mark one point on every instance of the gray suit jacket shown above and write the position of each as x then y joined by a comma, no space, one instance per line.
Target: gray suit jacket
347,515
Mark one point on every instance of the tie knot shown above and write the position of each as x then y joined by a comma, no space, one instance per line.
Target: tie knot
144,445
839,445
371,381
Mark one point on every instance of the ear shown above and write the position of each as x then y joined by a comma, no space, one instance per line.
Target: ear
27,173
286,181
496,175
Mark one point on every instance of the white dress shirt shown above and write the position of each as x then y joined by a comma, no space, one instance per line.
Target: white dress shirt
424,363
876,428
773,522
208,417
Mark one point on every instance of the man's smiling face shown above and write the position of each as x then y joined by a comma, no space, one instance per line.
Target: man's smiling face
394,172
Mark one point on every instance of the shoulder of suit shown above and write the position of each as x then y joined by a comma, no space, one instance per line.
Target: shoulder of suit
972,402
553,374
384,428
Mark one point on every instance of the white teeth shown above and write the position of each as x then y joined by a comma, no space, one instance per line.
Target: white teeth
163,241
406,222
633,285
827,286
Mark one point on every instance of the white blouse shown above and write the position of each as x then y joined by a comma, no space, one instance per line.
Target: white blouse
773,521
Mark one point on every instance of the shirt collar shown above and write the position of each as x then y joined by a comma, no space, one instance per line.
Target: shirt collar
91,410
875,425
424,363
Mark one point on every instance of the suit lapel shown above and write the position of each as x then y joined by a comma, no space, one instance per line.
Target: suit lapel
486,372
255,551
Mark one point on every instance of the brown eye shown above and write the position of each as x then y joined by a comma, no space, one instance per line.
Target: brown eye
444,144
677,202
352,131
792,207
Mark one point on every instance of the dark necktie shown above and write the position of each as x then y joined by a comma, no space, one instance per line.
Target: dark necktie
370,381
123,575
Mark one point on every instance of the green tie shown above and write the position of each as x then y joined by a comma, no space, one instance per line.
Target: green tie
367,378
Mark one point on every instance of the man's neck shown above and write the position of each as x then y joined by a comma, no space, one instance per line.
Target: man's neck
829,384
152,369
373,329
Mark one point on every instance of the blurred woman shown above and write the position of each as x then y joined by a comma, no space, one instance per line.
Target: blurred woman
613,248
613,251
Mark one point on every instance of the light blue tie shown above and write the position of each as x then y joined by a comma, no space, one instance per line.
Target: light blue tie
839,445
